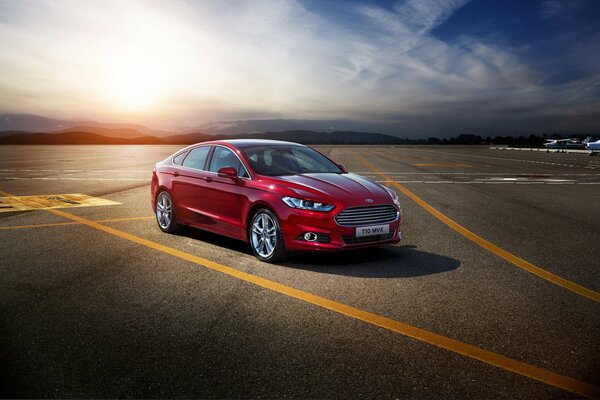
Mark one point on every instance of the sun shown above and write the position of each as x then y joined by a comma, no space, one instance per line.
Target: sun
135,84
142,62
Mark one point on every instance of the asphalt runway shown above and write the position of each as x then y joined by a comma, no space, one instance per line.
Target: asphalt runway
494,291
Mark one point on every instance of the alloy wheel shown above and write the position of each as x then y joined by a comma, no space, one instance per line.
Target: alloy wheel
164,211
264,235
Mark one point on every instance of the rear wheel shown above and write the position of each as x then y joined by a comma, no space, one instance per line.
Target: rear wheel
165,215
266,238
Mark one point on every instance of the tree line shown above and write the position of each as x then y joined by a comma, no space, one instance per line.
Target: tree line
520,141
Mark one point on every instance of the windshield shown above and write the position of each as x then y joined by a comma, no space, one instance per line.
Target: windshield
288,160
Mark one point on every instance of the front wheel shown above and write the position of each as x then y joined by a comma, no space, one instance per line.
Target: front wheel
266,238
165,215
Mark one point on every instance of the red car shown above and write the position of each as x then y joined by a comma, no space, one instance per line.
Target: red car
278,196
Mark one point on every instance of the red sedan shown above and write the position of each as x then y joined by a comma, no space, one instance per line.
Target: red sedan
278,196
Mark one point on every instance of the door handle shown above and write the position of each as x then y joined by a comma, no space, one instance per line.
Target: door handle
209,179
175,173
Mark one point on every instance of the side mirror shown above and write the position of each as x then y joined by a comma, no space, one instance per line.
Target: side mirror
227,172
341,166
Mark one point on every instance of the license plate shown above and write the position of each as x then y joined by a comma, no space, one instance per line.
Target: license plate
372,230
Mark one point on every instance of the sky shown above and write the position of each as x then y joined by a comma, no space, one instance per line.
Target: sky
411,68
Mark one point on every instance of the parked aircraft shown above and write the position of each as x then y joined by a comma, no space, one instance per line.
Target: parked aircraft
564,144
592,146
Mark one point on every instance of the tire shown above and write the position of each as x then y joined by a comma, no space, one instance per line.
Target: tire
266,238
165,213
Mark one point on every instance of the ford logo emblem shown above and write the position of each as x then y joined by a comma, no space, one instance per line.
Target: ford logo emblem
368,200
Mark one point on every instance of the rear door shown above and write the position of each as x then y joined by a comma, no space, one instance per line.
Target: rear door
189,186
226,198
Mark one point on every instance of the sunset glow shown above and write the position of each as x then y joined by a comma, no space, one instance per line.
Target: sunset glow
134,85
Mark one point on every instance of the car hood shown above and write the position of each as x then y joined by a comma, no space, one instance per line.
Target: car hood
348,188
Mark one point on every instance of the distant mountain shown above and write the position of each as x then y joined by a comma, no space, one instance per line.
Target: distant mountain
35,129
312,137
74,137
237,127
35,123
25,123
134,137
128,133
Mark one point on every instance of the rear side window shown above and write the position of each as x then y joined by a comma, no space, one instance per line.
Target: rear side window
179,158
197,158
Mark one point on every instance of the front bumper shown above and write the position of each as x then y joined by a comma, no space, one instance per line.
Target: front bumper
331,236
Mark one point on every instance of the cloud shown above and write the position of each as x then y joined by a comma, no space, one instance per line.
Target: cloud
425,15
409,67
551,9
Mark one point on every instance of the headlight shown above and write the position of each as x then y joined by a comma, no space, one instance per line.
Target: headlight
307,204
394,196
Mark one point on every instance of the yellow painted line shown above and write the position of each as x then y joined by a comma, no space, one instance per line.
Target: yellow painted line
513,259
444,165
45,202
125,219
6,228
497,360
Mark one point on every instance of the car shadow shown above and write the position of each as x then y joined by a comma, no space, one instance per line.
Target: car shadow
381,262
215,239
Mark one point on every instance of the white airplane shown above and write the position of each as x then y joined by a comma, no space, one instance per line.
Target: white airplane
592,146
564,144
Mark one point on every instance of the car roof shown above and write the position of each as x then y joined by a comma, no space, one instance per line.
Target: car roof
240,143
256,142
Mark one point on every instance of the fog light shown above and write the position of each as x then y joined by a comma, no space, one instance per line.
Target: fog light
310,236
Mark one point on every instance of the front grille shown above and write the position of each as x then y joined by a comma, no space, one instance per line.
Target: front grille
369,215
367,239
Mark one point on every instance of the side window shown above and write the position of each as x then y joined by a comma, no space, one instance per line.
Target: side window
223,157
179,158
196,158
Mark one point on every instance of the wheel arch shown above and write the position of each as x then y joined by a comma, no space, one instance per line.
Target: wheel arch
252,210
159,189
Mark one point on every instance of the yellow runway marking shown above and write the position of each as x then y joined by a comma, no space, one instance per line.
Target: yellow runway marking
486,356
27,203
444,165
513,259
125,219
7,228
